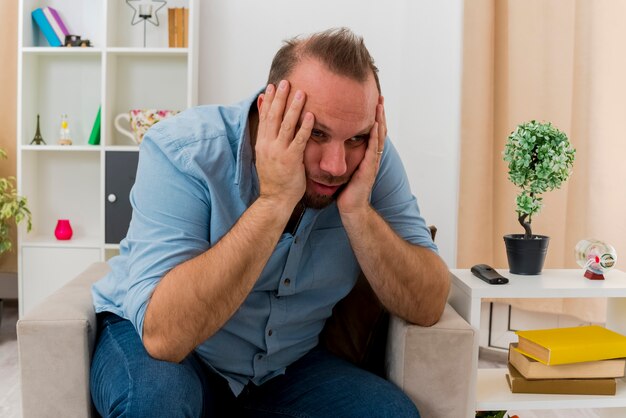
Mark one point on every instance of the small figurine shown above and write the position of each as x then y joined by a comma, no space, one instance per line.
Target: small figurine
75,40
38,139
64,134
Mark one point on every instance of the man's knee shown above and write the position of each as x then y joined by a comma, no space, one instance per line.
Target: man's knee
383,399
161,390
398,405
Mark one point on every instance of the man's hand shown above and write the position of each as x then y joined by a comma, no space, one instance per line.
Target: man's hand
279,149
355,197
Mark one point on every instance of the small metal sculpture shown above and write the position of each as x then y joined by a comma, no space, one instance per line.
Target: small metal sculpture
38,139
143,10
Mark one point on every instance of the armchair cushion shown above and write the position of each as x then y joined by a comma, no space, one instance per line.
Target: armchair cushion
435,365
55,344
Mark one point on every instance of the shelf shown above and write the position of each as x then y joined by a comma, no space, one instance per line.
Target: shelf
492,390
493,393
49,87
563,283
48,50
52,242
61,148
121,33
148,51
121,148
82,18
62,185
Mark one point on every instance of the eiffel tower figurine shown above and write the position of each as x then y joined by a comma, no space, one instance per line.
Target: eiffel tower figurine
38,139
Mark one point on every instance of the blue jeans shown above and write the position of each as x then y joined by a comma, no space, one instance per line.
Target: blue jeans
127,382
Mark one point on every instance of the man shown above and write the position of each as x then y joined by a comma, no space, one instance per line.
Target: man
249,223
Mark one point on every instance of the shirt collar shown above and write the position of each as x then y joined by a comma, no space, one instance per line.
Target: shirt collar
246,176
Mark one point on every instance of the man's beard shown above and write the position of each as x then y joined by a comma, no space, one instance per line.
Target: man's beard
320,201
317,201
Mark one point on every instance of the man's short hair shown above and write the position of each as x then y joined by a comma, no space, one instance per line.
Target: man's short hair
343,52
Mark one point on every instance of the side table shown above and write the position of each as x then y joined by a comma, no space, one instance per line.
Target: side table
492,391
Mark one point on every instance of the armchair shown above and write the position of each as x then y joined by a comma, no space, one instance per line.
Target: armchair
56,338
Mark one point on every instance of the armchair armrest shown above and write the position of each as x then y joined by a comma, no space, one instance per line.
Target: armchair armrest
55,344
435,365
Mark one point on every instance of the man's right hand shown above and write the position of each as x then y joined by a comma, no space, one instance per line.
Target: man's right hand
279,148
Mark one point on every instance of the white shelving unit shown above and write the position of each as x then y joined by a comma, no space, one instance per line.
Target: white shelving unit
118,74
492,391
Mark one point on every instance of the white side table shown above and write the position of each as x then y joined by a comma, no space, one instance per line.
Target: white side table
492,391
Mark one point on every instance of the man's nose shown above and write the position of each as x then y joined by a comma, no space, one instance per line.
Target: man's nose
333,159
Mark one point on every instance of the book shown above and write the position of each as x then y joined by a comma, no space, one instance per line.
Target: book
44,26
518,384
571,345
56,22
185,27
532,369
178,21
94,137
179,26
171,27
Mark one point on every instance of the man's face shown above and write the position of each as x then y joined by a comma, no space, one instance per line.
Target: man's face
345,111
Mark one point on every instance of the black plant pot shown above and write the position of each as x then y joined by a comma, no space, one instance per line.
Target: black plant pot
526,256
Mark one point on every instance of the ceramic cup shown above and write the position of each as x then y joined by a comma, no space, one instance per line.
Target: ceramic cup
140,120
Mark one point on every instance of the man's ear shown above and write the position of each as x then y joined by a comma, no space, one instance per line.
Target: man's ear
259,102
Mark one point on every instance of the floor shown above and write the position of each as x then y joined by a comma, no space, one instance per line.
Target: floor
10,406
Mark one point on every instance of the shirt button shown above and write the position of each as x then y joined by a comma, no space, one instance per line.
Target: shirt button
259,356
270,332
287,281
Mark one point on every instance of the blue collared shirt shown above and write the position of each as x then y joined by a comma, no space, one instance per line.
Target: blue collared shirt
195,178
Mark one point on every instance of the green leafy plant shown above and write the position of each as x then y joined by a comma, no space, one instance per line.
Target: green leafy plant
12,208
540,159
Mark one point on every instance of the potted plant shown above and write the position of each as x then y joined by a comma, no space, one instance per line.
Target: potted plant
12,208
540,159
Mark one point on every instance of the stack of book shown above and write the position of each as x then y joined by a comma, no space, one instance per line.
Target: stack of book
582,360
51,25
177,25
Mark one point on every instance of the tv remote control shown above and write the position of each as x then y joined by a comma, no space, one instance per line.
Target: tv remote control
488,274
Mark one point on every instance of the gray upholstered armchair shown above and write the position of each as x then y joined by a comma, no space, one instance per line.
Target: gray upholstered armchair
432,365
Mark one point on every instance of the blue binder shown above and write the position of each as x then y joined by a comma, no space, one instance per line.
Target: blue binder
45,27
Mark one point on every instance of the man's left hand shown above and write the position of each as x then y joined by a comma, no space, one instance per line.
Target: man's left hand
355,197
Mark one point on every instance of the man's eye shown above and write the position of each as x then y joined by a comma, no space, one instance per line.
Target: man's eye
316,133
357,140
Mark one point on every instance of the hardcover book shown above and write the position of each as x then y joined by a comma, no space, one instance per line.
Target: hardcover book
518,384
56,23
185,27
179,24
532,369
46,29
171,27
571,345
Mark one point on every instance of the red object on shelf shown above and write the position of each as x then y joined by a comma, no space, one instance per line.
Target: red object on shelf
593,276
63,231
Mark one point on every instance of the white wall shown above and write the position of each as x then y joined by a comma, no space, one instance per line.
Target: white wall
417,48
